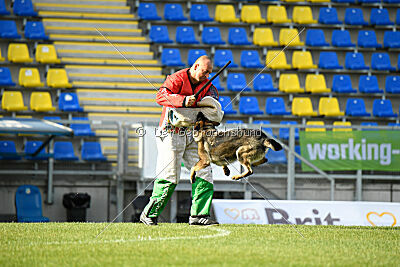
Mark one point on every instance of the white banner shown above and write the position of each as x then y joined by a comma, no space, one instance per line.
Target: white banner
307,212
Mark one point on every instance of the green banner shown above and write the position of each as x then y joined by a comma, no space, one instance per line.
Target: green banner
356,150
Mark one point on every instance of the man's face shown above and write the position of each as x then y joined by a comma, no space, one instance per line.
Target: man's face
202,71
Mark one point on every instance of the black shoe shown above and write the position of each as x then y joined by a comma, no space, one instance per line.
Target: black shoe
201,220
147,220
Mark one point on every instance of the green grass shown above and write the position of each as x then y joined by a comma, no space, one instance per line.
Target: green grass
127,244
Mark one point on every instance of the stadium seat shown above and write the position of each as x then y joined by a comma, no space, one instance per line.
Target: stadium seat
52,118
46,54
29,77
329,106
276,59
211,36
185,35
302,60
234,122
290,37
81,129
227,105
341,38
276,106
354,16
276,157
329,60
342,123
369,84
199,12
3,9
251,14
315,83
316,37
392,84
194,54
159,34
148,11
174,12
391,1
12,101
355,61
263,83
18,53
267,130
398,16
69,102
222,56
381,61
8,150
24,8
369,1
171,57
216,82
58,78
356,107
277,14
391,39
342,84
383,108
380,16
5,77
328,15
367,123
264,37
284,132
289,83
28,205
303,15
315,123
398,62
250,59
63,150
30,149
1,57
236,82
8,29
319,1
41,102
34,30
225,14
91,151
248,105
367,39
302,106
238,36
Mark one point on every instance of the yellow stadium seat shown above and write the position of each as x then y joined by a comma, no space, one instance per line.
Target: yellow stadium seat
318,1
1,58
277,14
57,78
226,14
289,83
264,37
303,15
276,59
315,83
290,37
18,53
329,106
41,102
12,101
291,1
302,60
251,14
342,123
46,53
29,77
316,123
302,106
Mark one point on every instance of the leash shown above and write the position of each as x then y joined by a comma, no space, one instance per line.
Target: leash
196,95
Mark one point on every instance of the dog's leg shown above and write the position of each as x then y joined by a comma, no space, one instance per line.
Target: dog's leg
202,163
227,172
243,158
259,162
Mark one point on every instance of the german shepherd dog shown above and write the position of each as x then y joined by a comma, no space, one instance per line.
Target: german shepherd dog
248,146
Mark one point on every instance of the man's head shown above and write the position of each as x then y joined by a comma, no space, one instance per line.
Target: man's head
201,69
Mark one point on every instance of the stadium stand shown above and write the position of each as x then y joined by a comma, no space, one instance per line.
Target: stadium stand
380,16
251,14
383,108
148,11
238,36
315,129
315,83
341,38
263,83
316,37
248,105
28,204
91,151
222,56
8,29
391,39
290,83
392,84
46,54
57,78
284,132
290,37
276,59
69,102
8,150
216,82
159,34
277,14
5,77
369,84
236,82
226,104
342,84
35,30
18,53
367,38
329,60
41,102
211,36
276,106
194,54
12,101
3,9
329,106
81,129
264,37
63,150
225,14
250,59
185,35
302,60
354,16
381,61
171,57
356,107
302,106
355,61
174,12
303,15
328,15
29,77
31,147
342,123
199,12
24,8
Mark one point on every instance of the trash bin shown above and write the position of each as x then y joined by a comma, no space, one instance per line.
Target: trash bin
76,205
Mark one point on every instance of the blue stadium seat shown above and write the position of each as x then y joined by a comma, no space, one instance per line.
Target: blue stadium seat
394,124
355,61
342,84
391,1
185,35
369,84
276,157
238,36
298,151
250,59
284,132
263,83
194,54
63,150
171,57
276,106
216,82
8,29
28,204
222,56
3,9
159,34
226,105
392,84
383,108
381,61
236,82
380,16
148,11
34,30
367,39
5,77
248,105
31,147
329,60
356,107
354,16
81,129
91,151
267,130
391,39
8,150
24,8
328,15
200,13
367,123
398,62
234,122
212,36
69,102
344,1
341,38
369,1
316,37
398,16
174,12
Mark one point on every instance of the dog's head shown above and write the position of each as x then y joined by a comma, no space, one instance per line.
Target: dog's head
203,123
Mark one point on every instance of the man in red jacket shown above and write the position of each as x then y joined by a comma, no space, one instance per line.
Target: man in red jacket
174,147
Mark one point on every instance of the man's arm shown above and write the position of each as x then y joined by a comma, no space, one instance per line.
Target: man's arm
168,94
213,92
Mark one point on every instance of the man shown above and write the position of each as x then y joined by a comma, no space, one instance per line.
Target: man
174,147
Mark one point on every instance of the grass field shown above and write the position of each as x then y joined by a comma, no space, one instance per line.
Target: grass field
127,244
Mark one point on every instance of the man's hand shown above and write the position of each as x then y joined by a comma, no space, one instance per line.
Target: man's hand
190,101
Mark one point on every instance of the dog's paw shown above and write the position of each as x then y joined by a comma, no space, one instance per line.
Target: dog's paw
237,177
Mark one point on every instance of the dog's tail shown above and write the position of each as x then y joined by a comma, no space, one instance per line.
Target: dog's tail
271,143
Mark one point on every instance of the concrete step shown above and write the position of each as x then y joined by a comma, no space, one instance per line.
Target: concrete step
82,8
105,61
105,54
117,85
113,133
125,117
84,2
102,46
107,16
115,77
88,69
100,24
97,38
89,30
119,109
116,94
